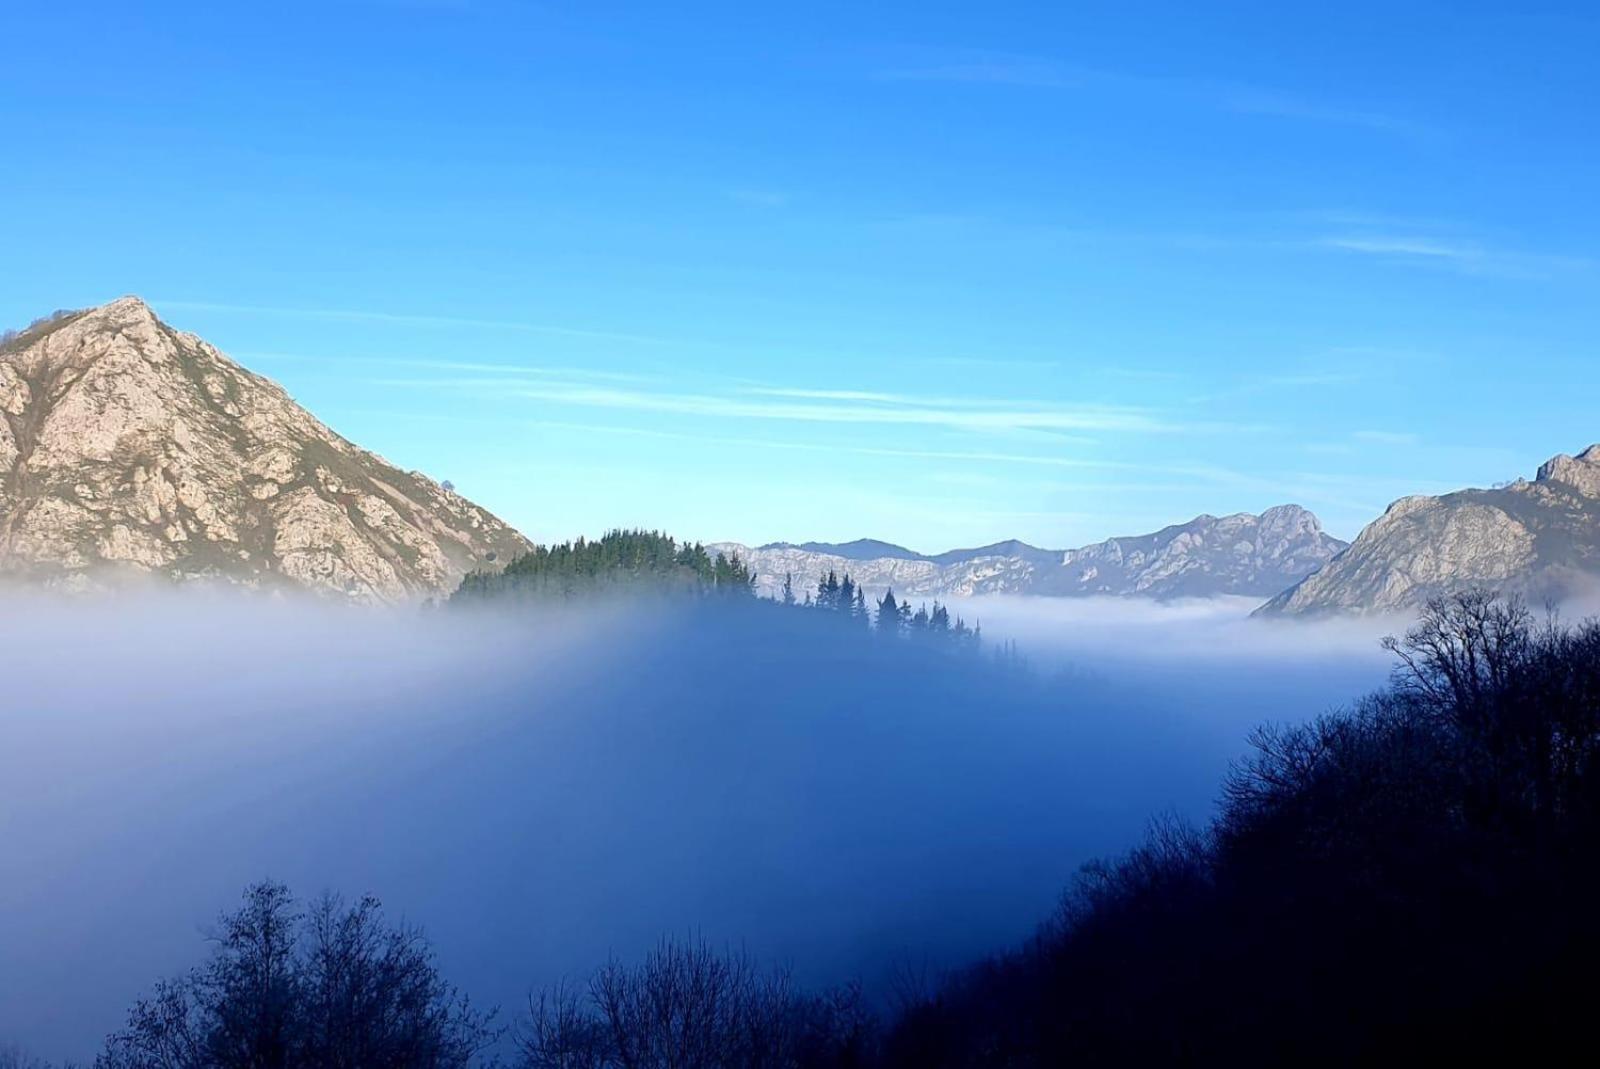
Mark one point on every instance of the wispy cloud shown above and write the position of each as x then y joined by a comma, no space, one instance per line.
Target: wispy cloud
362,315
834,406
531,370
476,366
760,198
1254,385
984,362
1405,246
1039,72
1387,437
417,5
1320,489
1456,254
1310,378
993,69
1138,374
862,409
886,398
841,395
1249,101
977,456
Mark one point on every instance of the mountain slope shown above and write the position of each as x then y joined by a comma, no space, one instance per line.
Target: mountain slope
128,448
1539,538
1209,555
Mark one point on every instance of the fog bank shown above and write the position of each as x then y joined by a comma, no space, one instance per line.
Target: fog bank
540,791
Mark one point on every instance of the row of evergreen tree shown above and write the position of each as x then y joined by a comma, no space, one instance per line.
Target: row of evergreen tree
633,561
621,561
890,617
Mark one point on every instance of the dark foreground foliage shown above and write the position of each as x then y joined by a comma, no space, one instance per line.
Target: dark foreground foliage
329,986
1414,879
14,1057
687,1005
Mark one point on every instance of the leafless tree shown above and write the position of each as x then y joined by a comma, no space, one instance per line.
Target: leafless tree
13,1056
687,1006
1462,653
370,995
562,1032
329,988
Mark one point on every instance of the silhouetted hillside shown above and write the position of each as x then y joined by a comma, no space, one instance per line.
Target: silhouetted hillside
1413,878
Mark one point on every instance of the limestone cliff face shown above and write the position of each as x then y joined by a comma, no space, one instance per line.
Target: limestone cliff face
130,449
1540,539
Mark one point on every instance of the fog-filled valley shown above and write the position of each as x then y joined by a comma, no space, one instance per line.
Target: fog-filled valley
826,536
543,789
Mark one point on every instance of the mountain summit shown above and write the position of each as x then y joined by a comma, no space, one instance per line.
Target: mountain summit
1540,539
1209,555
128,448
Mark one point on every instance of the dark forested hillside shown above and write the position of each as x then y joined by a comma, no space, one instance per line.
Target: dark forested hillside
1411,879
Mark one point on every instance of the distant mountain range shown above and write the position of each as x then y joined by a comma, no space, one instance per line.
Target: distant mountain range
129,449
1210,555
1540,539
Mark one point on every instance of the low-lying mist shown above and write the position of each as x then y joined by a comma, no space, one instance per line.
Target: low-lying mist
540,790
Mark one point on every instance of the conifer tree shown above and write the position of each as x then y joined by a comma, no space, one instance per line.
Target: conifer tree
828,592
890,620
632,560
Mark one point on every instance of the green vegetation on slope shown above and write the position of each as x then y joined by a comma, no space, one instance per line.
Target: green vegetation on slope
622,562
634,562
11,339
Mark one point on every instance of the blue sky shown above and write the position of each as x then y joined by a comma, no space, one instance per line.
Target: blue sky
940,274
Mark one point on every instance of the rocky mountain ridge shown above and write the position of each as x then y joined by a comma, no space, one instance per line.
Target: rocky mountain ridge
131,450
1209,555
1540,539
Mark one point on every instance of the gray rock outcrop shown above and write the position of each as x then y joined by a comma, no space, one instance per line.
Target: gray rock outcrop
129,449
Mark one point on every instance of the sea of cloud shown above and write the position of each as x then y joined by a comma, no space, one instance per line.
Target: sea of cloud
540,790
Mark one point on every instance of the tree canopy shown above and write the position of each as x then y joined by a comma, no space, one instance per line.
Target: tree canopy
621,561
1411,879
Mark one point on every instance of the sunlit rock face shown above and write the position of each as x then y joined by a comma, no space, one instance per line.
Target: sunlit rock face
1540,539
129,449
1206,557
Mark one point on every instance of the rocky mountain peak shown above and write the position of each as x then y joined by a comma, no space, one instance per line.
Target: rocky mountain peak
130,449
1581,472
125,310
1540,539
1290,518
